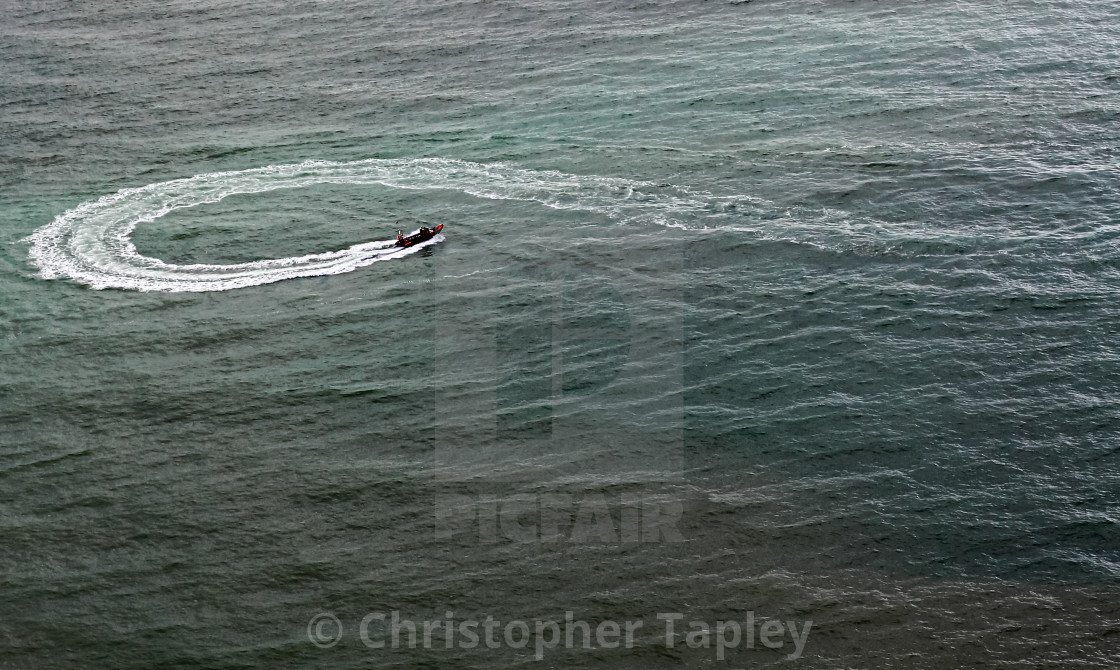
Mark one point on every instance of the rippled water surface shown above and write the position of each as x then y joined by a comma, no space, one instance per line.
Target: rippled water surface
828,286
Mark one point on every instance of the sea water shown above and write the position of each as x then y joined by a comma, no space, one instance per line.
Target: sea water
797,310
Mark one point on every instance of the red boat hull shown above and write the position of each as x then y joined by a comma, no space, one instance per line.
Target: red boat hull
419,237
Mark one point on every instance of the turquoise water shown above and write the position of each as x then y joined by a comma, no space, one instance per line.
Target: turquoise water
834,281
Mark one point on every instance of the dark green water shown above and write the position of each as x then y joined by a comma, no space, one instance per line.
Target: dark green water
805,309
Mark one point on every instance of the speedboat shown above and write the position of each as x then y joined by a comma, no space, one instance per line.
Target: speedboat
422,235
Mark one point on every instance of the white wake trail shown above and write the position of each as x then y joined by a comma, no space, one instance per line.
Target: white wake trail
91,243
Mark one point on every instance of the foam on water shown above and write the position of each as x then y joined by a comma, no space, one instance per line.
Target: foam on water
91,243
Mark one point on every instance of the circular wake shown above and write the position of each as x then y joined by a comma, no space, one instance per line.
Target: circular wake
91,243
